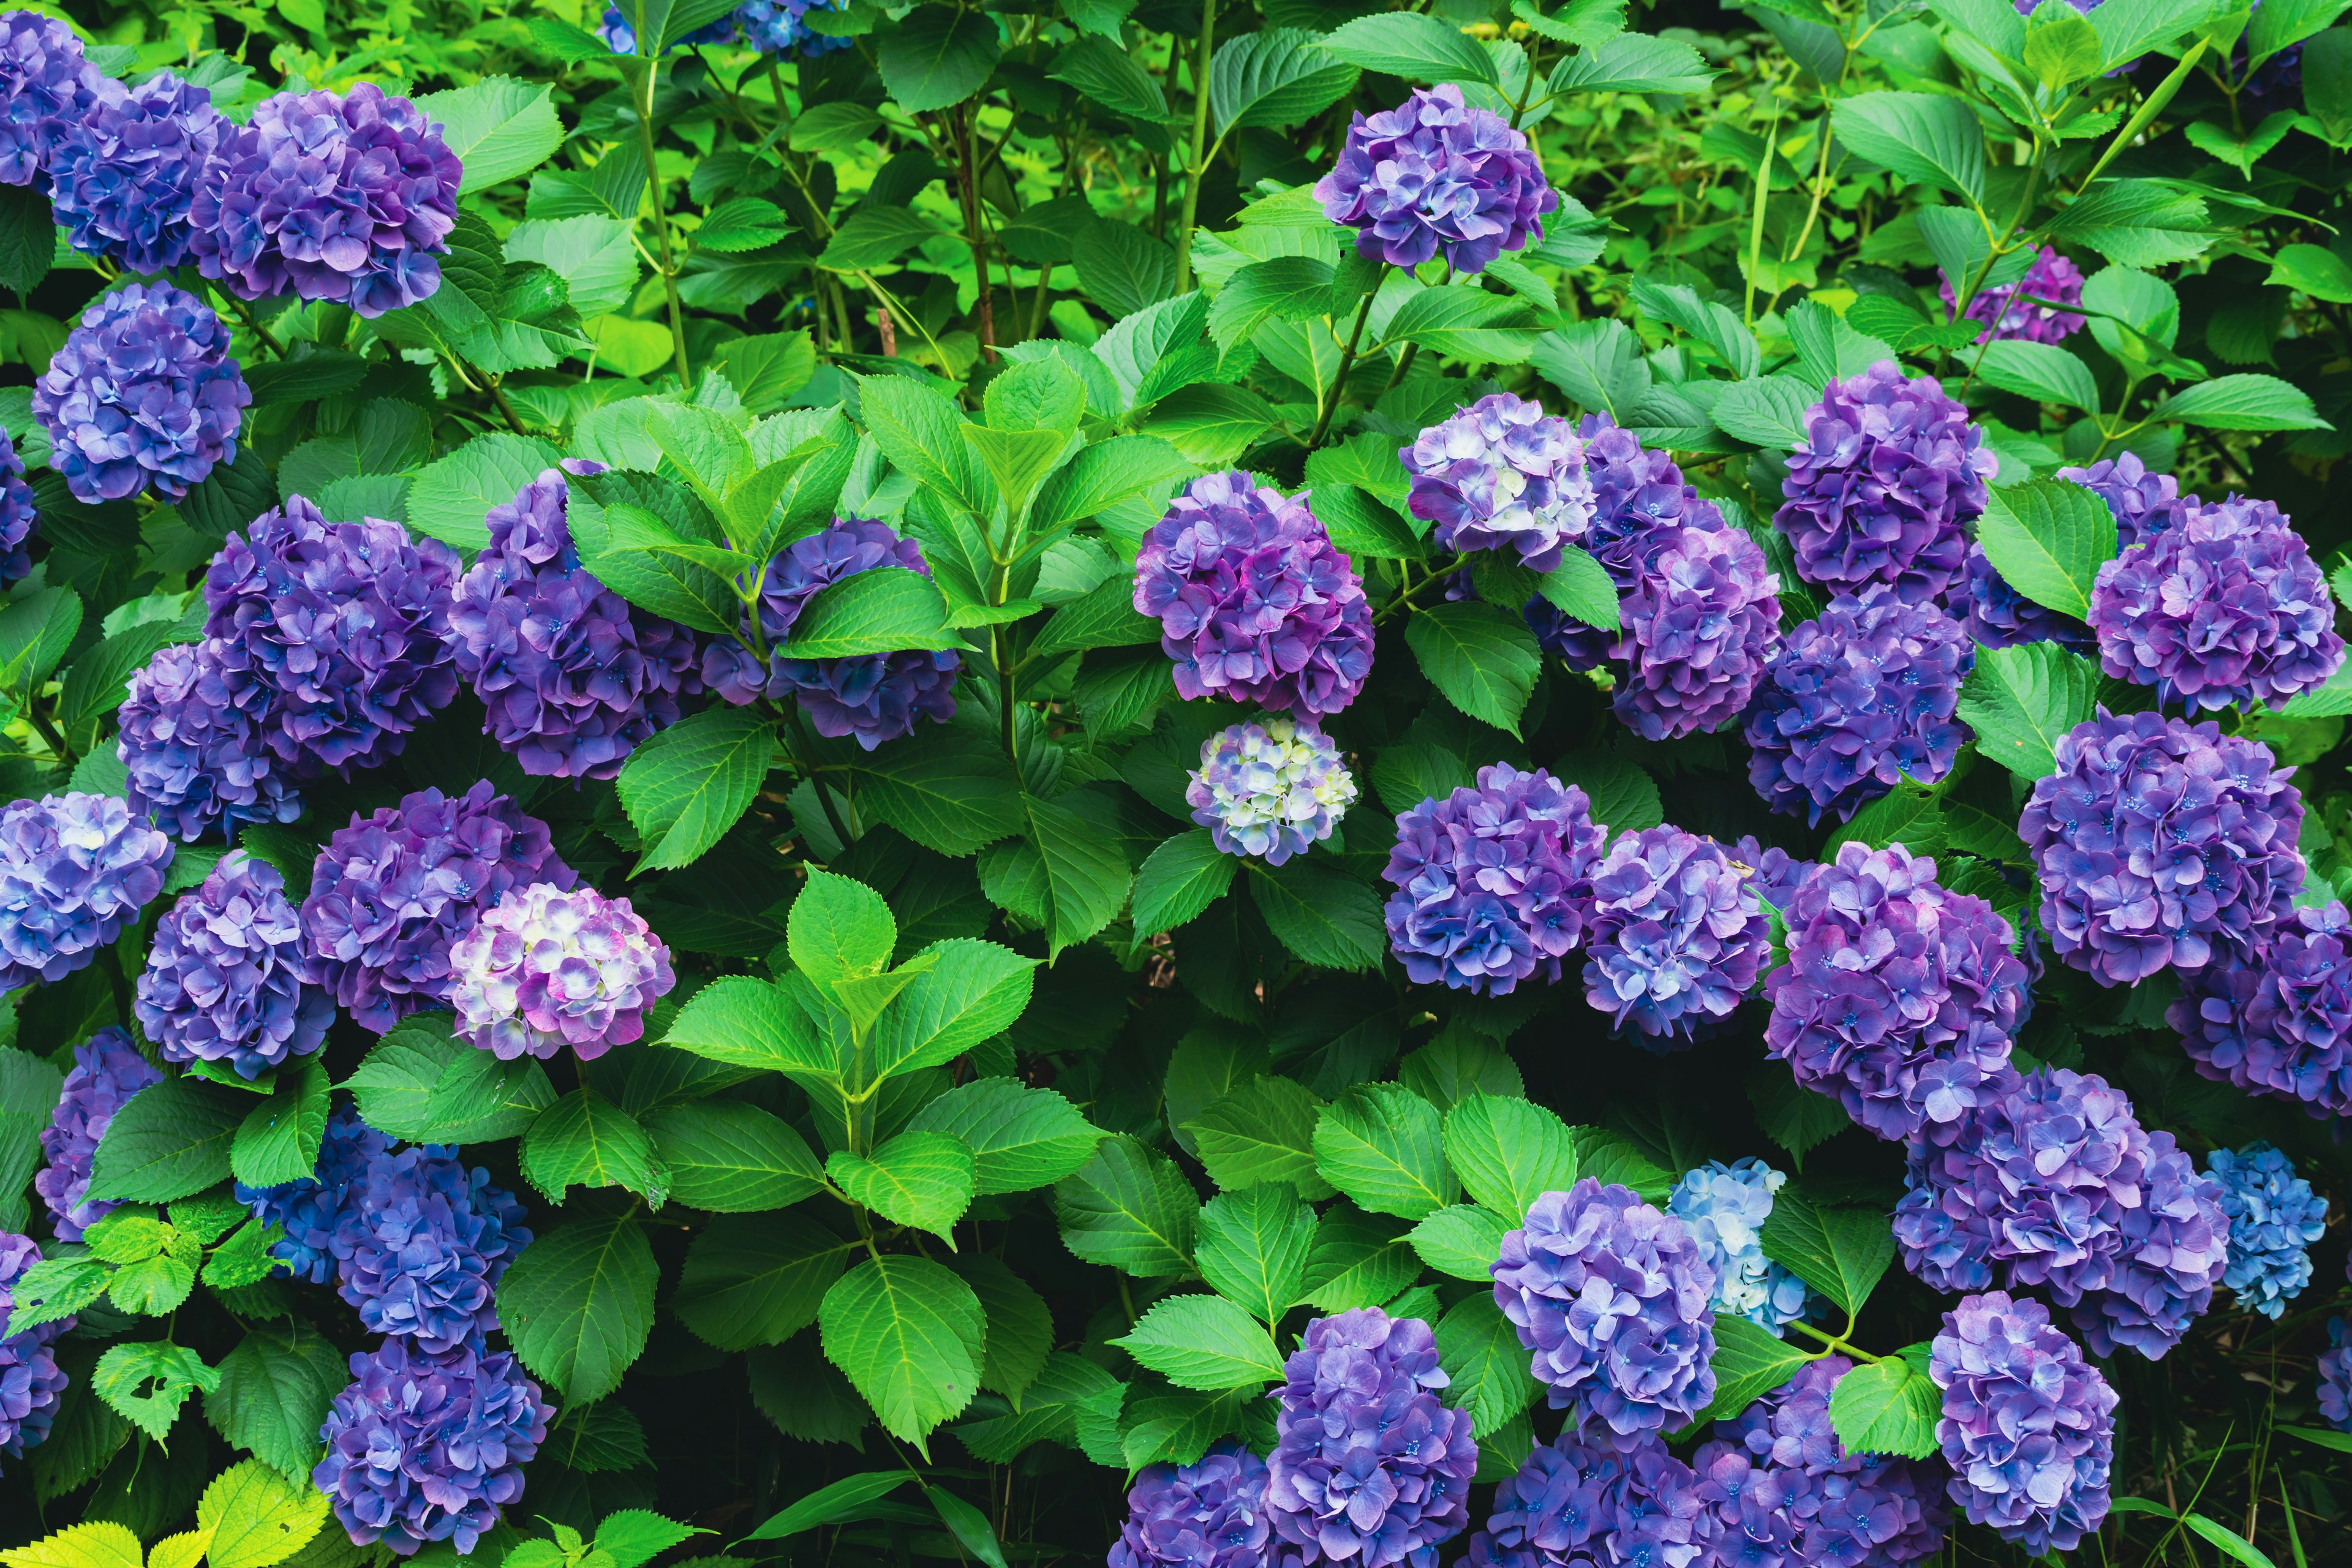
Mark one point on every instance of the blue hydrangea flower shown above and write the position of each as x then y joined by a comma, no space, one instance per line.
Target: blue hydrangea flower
30,1381
2274,1216
1676,935
75,870
2028,1425
17,514
142,395
780,28
1723,1208
46,81
1772,871
420,1242
1501,473
125,170
1433,177
2144,504
2277,1019
2334,1367
310,1211
1273,786
1208,1514
227,979
621,37
106,1071
1577,1504
194,736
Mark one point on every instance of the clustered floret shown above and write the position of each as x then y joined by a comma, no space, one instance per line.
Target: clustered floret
2143,504
420,1242
227,979
1211,1513
1612,1296
2001,616
2027,1425
106,1071
1253,602
1580,1504
1494,884
1675,936
46,81
194,738
545,969
143,395
1433,178
2276,1021
30,1380
1502,474
2014,311
2335,1368
780,28
17,514
1701,625
2274,1216
1899,998
75,870
125,170
1723,1208
1773,872
1273,786
310,1211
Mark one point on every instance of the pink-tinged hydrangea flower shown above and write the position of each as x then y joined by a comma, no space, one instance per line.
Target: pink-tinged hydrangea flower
30,1383
227,979
2275,1019
125,170
392,893
46,82
1773,872
1701,625
420,1242
2054,1184
1676,935
875,696
1368,1468
1575,1504
142,395
2001,616
1435,178
1208,1514
572,679
75,870
1724,1207
2012,308
193,735
1494,884
341,196
424,1448
310,1210
2274,1216
546,969
1889,469
2334,1367
2027,1425
1273,787
17,514
2161,842
1861,699
2144,504
106,1071
1502,474
346,621
1253,601
1899,999
2225,611
1612,1296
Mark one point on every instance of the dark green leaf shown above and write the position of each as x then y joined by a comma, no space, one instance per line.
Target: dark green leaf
578,1303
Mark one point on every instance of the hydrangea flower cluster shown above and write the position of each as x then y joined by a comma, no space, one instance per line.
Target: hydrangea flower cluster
2335,1368
1502,474
345,621
1612,1296
545,969
17,514
125,170
46,81
1208,1514
1273,786
1253,601
193,735
106,1071
1701,624
2144,504
1433,178
310,1211
75,870
341,196
420,1242
621,38
2027,1425
227,979
1861,698
2055,1185
424,1447
1592,1506
1773,872
2011,308
143,394
1889,469
2276,1021
30,1383
1675,936
1494,884
2161,842
1723,1208
2274,1216
780,28
2226,610
394,892
573,679
1899,998
875,696
2001,616
1367,1469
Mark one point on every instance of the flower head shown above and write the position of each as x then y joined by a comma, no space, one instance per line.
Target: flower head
2144,504
420,1242
75,870
1502,474
30,1382
143,394
106,1071
46,83
2013,309
125,170
2274,1216
1435,178
1676,936
2027,1425
2275,1020
17,514
622,38
1578,1504
193,735
1701,625
2334,1367
1723,1208
310,1210
1773,872
780,28
2001,616
1208,1514
1273,786
227,979
546,968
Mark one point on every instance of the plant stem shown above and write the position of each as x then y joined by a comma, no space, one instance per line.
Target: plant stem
1347,362
1192,170
244,312
969,157
1837,1341
645,97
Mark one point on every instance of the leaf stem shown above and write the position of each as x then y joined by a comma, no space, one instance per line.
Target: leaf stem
1838,1343
644,94
1199,141
1347,362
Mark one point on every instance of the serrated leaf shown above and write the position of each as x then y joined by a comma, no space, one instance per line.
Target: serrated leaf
1508,1152
578,1303
2048,538
1130,1208
758,1280
1204,1343
1254,1248
167,1141
1383,1146
1463,1240
146,1383
688,786
1179,879
1885,1407
908,1335
732,1158
2021,700
1261,1131
1021,1137
1839,1252
1481,658
256,1518
923,1180
1481,1352
1323,915
1749,1362
275,1389
585,1140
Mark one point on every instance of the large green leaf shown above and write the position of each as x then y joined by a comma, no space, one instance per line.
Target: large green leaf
585,1140
921,1180
1275,77
1020,1137
731,1157
1130,1207
1383,1146
1359,1259
578,1303
1179,879
423,1084
757,1279
1463,1240
1020,1324
1413,47
2048,538
1508,1152
909,1335
1325,916
748,1022
1481,1352
169,1140
274,1391
970,992
278,1139
1920,136
944,787
1886,1407
1261,1131
688,786
1748,1361
936,57
498,128
1087,877
888,609
1840,1252
2021,700
1481,656
2043,372
28,1096
1203,1341
1254,1248
2243,402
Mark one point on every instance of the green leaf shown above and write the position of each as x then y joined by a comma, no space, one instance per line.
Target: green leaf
1275,77
2229,1540
844,1498
1413,47
29,239
2021,700
1102,72
35,630
839,929
1261,1131
1177,1428
1748,1361
1212,424
498,128
936,57
2313,270
908,1334
1920,136
423,1084
2043,372
274,1391
873,237
2339,1441
1633,62
1481,658
1087,877
1130,1208
1203,1341
919,430
1885,1407
256,1518
147,1382
972,992
1508,1152
1580,587
28,1094
1254,1248
278,1139
453,495
923,1180
1359,1259
2136,223
1179,879
2242,403
578,1302
1016,459
1795,1118
1123,468
1480,1350
1625,797
948,790
1020,1324
1384,1145
98,1544
1124,269
633,1536
1021,1138
1322,914
1463,1241
585,1140
590,252
1840,1252
2048,539
688,786
100,679
169,1140
1466,322
747,223
732,1158
53,1288
888,609
757,1279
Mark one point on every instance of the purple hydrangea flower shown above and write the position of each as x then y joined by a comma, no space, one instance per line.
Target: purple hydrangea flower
310,1211
341,196
1368,1468
1435,178
1274,786
227,979
2274,1216
125,170
2275,1020
75,870
1612,1296
1675,936
2334,1367
392,893
2001,616
2161,842
2144,504
1494,884
1773,872
424,1447
30,1383
17,514
573,678
1724,1207
2027,1425
2225,611
1861,698
1501,473
1253,601
875,696
1889,470
780,28
345,620
106,1071
621,38
1208,1514
546,969
193,737
1899,999
142,395
46,82
1576,1504
1701,625
2009,306
420,1242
